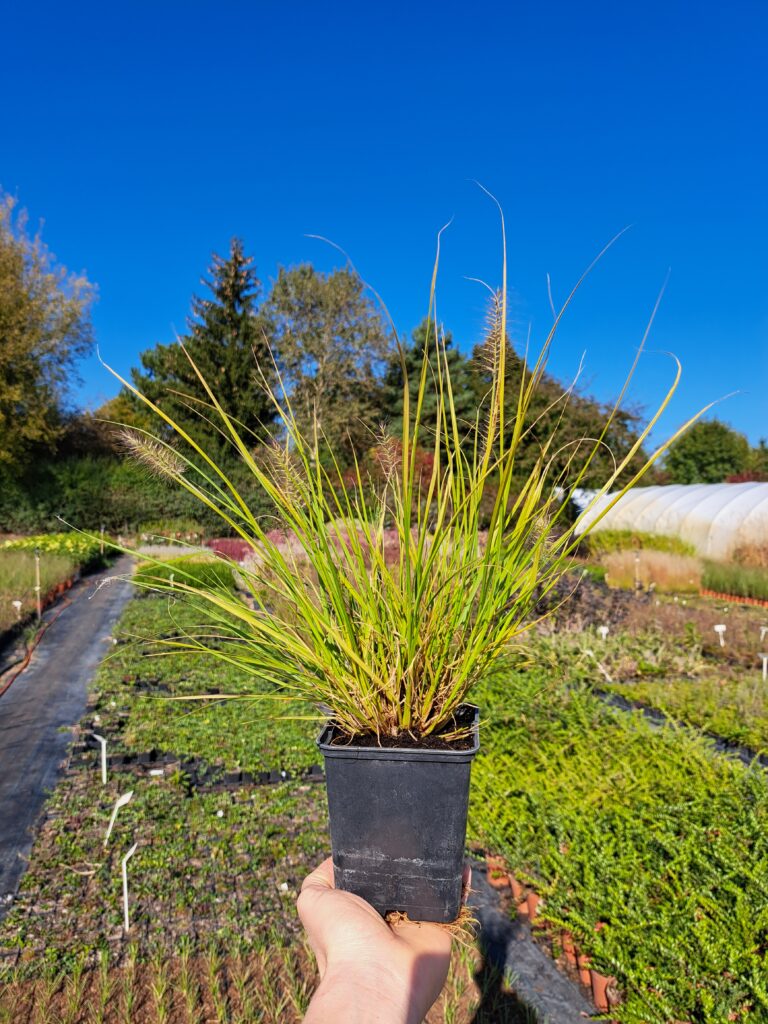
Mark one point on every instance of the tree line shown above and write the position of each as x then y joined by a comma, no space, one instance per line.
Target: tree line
318,338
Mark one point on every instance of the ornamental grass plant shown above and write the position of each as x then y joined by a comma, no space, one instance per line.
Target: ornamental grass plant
391,600
652,570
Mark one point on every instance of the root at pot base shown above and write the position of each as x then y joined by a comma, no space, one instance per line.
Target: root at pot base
398,823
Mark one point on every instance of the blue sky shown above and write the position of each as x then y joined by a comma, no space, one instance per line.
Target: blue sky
146,134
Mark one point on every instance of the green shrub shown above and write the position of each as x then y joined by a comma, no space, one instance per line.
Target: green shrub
91,491
605,541
735,579
596,573
182,528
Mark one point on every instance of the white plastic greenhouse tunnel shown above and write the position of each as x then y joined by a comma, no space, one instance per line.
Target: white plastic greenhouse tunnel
716,519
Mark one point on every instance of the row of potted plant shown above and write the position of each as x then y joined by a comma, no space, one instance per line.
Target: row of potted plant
85,550
56,592
526,901
757,602
645,845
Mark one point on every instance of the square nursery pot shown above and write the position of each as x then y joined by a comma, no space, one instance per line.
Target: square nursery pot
398,821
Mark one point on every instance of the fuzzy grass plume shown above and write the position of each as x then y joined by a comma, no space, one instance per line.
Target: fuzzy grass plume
392,645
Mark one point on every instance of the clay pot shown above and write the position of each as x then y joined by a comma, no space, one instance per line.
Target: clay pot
497,880
497,874
532,903
569,949
517,889
585,976
599,984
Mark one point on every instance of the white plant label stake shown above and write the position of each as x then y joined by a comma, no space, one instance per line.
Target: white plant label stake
120,802
765,666
126,858
763,631
38,598
17,606
603,631
720,630
103,743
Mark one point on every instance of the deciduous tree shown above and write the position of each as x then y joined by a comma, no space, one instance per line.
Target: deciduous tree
708,453
568,420
45,328
331,344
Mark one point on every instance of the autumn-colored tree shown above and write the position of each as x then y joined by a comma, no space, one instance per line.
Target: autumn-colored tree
45,328
331,344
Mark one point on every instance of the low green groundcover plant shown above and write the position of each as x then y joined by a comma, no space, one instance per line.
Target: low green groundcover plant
190,570
735,709
147,697
210,862
645,844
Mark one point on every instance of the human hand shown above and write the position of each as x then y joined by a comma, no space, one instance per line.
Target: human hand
370,971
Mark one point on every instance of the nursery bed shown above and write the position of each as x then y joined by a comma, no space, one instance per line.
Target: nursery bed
645,846
225,835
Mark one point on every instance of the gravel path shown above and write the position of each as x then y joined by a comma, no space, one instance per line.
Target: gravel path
41,705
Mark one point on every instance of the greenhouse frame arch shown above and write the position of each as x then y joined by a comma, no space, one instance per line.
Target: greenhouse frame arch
717,519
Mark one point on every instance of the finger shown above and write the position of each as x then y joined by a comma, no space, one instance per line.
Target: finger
321,877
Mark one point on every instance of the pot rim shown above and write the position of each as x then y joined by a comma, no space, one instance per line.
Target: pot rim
329,750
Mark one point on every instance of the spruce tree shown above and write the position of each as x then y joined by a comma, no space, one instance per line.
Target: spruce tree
227,340
464,398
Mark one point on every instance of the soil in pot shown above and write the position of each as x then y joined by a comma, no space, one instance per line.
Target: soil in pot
398,817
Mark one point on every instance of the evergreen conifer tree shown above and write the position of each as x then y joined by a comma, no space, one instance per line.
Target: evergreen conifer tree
564,412
464,397
228,342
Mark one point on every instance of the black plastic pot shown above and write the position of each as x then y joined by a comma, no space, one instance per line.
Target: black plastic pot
398,823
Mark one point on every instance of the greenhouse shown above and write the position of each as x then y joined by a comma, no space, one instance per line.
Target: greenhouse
717,519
